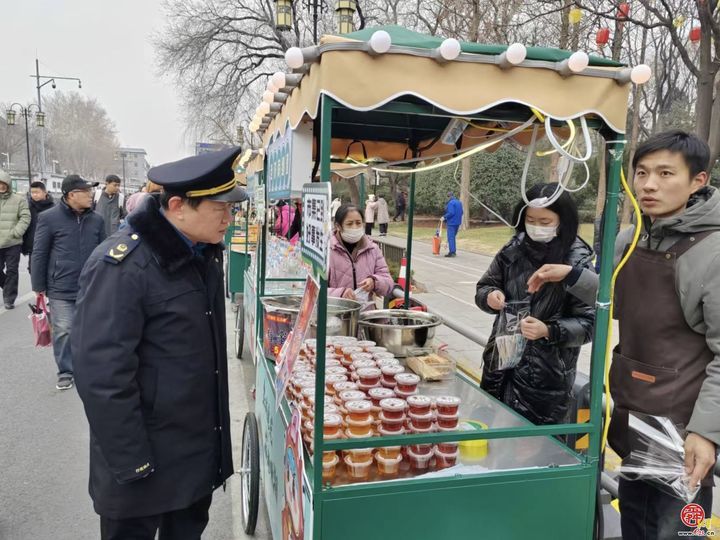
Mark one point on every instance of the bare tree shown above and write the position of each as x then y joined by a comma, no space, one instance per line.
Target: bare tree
80,135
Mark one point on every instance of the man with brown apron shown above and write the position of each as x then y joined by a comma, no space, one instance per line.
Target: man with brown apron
667,302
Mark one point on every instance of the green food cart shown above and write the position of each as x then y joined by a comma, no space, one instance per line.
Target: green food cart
400,94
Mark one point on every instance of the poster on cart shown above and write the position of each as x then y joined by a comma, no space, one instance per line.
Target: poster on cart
293,343
260,203
293,520
289,161
316,226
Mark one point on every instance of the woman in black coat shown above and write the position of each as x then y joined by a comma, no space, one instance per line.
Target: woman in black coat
540,386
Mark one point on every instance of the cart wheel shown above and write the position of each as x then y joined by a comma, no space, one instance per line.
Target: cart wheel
250,474
239,330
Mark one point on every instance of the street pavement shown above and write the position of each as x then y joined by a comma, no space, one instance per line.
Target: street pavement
44,443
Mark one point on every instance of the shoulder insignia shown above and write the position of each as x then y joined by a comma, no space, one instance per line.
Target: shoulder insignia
122,249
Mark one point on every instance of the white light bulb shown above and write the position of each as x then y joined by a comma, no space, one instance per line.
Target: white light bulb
380,42
578,61
294,58
263,108
450,49
278,80
268,96
271,86
253,127
641,74
516,53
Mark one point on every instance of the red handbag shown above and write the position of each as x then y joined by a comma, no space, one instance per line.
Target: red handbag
41,322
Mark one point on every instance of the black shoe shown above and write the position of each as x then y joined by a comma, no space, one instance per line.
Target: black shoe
9,306
451,255
65,382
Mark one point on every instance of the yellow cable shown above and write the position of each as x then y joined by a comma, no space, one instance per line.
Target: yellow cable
608,352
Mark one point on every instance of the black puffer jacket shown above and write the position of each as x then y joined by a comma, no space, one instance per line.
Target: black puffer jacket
540,386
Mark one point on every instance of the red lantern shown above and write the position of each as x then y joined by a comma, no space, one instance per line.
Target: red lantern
603,36
695,34
623,10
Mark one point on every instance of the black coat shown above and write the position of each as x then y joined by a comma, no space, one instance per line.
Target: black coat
540,386
63,243
36,207
150,365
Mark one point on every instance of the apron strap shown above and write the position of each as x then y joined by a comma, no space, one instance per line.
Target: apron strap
689,241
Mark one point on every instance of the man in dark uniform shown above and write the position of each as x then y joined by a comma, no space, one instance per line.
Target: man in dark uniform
151,365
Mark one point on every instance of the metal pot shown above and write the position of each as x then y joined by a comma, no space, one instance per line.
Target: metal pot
399,329
281,312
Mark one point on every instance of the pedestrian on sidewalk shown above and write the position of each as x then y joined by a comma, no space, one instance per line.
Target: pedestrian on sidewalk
38,200
383,216
453,219
370,209
151,356
14,221
400,205
110,204
540,386
65,237
334,205
667,302
136,198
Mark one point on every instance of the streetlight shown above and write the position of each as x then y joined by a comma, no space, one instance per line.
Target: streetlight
7,159
345,11
122,155
49,79
55,163
283,15
25,111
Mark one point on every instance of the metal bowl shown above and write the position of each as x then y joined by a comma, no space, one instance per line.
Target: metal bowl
399,329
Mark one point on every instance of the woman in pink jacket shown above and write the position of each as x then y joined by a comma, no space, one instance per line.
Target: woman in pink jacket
355,260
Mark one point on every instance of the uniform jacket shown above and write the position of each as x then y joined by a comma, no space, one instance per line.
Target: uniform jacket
540,386
63,242
36,207
366,259
453,212
14,218
150,365
383,215
697,281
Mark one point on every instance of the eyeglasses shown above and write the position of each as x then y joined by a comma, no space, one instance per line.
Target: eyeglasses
87,191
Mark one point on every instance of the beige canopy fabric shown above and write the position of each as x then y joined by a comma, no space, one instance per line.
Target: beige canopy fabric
363,82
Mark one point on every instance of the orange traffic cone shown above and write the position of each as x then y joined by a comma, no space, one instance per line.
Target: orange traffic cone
402,274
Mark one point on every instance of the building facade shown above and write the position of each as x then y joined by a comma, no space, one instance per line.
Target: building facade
135,167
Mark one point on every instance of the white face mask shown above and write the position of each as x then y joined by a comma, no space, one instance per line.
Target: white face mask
541,234
352,235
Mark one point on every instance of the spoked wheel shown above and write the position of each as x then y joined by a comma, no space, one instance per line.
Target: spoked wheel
250,474
239,330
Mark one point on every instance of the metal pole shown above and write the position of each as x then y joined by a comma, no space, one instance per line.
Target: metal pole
123,160
325,142
42,131
602,318
408,249
25,113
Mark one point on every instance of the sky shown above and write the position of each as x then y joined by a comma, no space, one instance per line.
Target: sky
106,44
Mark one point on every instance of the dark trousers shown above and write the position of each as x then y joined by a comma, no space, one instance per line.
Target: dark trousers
399,213
185,524
369,228
9,264
647,513
383,228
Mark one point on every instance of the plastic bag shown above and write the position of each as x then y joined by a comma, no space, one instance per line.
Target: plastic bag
509,341
658,456
40,322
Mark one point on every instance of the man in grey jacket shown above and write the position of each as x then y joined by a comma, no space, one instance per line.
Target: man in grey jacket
110,204
14,220
668,360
